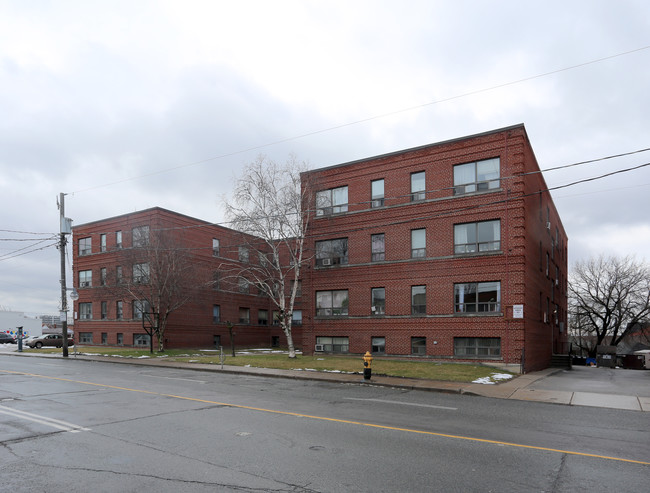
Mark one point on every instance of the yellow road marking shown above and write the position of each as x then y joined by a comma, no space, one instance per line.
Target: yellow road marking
335,420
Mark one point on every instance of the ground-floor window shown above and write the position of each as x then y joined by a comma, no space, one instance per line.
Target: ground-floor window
104,338
477,347
379,345
141,340
85,337
120,338
419,346
216,339
334,344
275,341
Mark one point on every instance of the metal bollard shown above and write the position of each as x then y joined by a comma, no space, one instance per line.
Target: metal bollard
367,366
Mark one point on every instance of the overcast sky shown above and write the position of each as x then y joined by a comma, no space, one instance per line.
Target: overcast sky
126,105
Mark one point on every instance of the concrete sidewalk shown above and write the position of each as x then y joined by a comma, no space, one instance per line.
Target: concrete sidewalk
523,387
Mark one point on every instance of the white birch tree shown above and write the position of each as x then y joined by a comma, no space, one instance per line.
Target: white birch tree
267,208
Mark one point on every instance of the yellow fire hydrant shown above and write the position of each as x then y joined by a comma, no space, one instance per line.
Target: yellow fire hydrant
367,366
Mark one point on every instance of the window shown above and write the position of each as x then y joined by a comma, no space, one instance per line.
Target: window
118,274
85,337
141,273
296,317
547,264
476,177
378,247
477,347
333,201
334,344
244,315
243,254
216,339
418,300
119,312
298,288
215,247
85,278
418,186
332,252
419,346
140,236
477,297
141,340
85,311
104,310
377,193
104,338
85,246
378,302
276,317
102,242
262,317
216,314
378,345
120,339
118,239
140,307
477,237
243,285
418,243
216,280
102,276
332,303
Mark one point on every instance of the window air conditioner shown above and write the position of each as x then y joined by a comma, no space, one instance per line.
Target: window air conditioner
326,261
378,203
319,348
85,284
548,226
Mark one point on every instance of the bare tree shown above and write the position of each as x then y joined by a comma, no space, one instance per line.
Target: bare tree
609,296
161,277
267,208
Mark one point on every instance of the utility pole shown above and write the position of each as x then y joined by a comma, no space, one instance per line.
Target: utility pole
65,229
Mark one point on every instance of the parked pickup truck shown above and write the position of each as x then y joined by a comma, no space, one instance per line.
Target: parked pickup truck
54,340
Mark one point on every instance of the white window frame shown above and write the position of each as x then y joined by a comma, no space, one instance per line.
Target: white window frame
332,201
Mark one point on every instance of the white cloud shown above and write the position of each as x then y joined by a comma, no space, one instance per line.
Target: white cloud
96,93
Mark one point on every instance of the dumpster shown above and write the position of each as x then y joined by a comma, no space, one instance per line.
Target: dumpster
634,361
606,356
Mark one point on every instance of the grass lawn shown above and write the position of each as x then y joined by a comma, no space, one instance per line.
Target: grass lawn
431,370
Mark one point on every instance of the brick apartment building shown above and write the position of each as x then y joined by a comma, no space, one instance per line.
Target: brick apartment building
449,251
105,261
452,251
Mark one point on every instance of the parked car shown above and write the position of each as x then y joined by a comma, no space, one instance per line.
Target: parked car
6,338
54,340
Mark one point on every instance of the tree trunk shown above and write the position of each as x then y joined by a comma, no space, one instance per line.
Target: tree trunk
290,346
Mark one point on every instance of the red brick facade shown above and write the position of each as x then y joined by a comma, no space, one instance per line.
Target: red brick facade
192,325
511,267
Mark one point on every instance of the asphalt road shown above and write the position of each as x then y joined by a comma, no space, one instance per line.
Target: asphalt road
68,426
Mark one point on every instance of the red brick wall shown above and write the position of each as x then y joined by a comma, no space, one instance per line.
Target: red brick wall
192,324
515,265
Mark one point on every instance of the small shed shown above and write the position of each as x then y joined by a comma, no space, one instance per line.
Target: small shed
606,356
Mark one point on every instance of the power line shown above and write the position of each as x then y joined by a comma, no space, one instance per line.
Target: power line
440,213
365,120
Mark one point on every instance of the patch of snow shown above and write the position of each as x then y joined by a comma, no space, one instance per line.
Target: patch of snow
493,379
484,381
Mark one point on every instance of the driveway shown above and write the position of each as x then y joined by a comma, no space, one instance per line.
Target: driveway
590,386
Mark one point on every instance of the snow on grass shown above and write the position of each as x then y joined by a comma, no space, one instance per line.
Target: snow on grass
493,379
